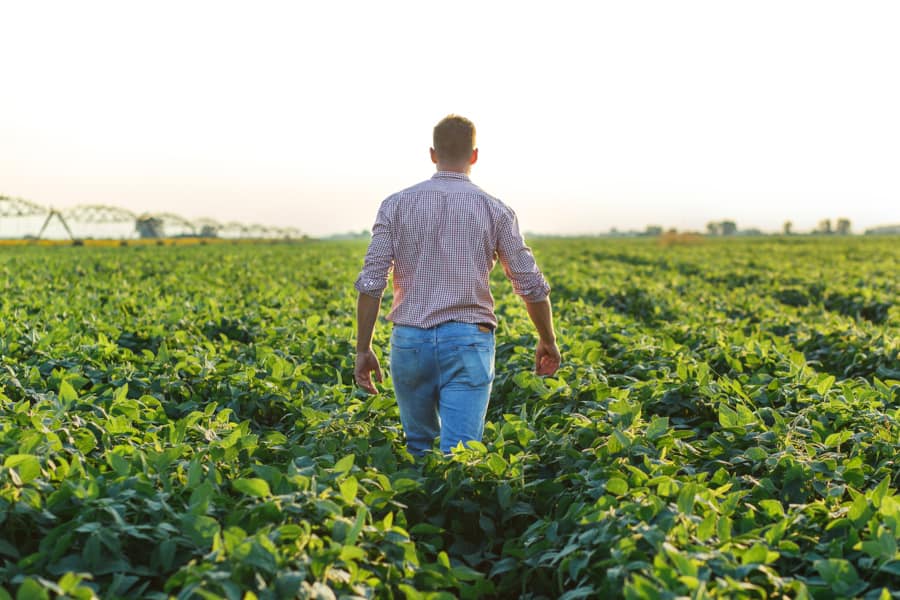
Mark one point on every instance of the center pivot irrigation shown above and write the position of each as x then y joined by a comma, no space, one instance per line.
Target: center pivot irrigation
76,219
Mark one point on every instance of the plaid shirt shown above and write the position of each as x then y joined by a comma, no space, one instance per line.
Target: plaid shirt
442,237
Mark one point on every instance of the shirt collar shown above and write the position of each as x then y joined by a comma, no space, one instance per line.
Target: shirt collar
450,175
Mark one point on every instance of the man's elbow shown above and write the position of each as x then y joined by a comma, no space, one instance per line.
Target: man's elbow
536,299
370,286
534,292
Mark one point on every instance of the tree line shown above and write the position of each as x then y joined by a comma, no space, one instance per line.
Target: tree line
840,226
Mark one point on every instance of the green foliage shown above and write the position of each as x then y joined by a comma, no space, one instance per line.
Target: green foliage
181,422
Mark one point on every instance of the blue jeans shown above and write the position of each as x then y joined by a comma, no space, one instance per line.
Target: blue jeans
442,381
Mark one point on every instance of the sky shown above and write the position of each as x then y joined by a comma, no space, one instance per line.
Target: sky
590,115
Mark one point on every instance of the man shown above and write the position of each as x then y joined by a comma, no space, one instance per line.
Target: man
442,238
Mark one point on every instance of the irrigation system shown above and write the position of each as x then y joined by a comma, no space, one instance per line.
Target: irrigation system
21,218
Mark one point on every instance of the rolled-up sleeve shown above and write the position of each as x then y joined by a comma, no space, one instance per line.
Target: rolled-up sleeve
379,260
518,261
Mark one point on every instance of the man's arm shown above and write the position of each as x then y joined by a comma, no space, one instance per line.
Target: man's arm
370,284
529,283
366,362
546,355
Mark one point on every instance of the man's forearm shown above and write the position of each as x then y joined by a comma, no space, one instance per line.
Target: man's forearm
366,315
541,315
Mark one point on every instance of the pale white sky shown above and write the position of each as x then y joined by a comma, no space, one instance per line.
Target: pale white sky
590,115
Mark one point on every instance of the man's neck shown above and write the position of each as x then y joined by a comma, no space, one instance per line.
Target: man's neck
465,170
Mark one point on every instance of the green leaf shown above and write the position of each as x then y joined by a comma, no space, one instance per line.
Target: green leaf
344,465
162,354
27,467
200,498
348,487
772,508
70,583
621,438
496,463
349,553
723,528
443,559
728,418
889,508
121,394
119,464
836,439
880,491
682,563
358,524
411,593
859,510
756,554
735,418
883,547
617,486
657,428
707,527
476,446
825,384
686,498
504,565
523,379
31,590
166,553
66,392
195,473
201,528
840,574
464,573
252,487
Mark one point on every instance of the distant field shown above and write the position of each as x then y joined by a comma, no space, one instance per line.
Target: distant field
181,421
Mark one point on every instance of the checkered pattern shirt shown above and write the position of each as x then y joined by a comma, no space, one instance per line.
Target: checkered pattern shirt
441,238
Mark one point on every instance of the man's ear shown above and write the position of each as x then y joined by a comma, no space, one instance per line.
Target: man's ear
474,157
434,157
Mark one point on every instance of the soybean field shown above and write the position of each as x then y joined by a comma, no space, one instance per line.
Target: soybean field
181,422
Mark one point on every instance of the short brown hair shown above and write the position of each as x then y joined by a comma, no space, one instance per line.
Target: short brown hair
454,138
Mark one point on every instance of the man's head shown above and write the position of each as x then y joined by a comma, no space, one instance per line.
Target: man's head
454,144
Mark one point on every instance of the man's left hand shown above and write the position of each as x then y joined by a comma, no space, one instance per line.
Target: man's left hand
366,364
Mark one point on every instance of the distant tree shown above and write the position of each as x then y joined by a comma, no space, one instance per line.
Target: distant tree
787,227
712,228
843,226
824,226
365,234
653,230
884,230
728,227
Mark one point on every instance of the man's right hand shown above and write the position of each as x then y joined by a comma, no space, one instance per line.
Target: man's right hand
546,358
366,365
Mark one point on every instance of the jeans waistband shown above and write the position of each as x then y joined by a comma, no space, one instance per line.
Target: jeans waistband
483,327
